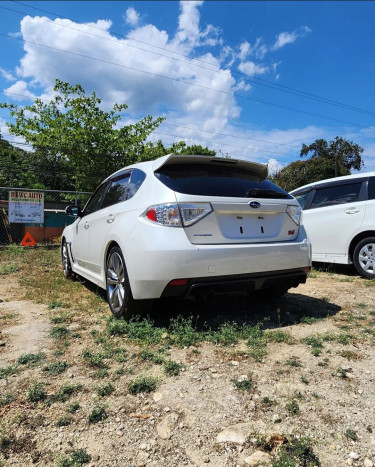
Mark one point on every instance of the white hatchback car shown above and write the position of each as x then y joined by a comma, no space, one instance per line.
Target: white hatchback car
182,224
339,216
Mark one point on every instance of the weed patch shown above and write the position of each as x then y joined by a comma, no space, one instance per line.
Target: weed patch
172,368
98,414
31,360
57,368
36,392
143,384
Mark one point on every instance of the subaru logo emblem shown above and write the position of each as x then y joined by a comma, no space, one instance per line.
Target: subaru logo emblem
255,204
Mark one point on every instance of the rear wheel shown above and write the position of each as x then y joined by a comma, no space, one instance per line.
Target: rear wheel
364,258
119,295
65,261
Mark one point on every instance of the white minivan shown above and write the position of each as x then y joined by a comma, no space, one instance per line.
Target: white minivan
339,217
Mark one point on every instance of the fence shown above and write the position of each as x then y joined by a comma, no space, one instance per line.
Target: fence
36,214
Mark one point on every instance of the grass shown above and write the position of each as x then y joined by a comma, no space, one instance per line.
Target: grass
105,390
31,360
57,368
6,399
98,414
172,368
293,407
36,392
143,384
59,332
351,434
73,407
244,385
64,421
8,371
8,268
149,355
296,452
76,458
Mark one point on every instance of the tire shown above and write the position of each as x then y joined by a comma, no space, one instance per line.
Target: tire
364,258
119,294
65,261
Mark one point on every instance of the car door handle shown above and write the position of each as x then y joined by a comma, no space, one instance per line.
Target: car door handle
110,218
351,210
86,225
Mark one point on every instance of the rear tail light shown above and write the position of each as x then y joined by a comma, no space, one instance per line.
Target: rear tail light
177,215
294,213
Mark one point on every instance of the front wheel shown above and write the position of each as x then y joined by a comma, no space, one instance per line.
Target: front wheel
119,295
364,258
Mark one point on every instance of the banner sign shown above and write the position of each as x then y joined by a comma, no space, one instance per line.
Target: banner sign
26,207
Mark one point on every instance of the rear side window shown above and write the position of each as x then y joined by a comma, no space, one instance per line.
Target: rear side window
371,188
333,195
212,180
136,179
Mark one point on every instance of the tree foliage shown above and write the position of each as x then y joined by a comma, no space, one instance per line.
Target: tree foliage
73,129
328,160
344,154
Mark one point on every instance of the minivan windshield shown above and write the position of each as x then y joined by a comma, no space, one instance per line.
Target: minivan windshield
213,180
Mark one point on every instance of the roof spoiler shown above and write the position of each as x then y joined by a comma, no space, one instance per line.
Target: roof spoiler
258,170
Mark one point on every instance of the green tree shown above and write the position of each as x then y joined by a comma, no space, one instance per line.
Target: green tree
299,173
74,132
344,155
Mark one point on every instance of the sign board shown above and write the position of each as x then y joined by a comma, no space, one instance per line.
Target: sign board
26,207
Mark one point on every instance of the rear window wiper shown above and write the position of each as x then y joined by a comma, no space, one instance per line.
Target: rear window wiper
264,193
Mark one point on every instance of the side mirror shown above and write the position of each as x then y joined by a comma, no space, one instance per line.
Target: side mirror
73,211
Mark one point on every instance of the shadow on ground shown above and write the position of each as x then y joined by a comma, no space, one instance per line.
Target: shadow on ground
239,308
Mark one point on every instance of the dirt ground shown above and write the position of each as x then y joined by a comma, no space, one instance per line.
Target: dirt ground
298,389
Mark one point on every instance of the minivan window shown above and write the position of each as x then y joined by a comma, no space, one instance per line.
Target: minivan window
371,188
213,180
333,195
302,198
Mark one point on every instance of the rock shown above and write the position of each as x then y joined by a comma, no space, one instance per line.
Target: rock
2,343
164,428
158,396
234,434
234,363
353,455
258,458
368,463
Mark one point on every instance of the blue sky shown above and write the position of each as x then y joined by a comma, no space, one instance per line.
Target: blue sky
251,79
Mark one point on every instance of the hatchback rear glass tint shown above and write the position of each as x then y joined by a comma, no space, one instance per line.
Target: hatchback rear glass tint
213,180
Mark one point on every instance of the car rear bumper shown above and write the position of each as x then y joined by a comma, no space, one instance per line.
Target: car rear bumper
240,282
153,264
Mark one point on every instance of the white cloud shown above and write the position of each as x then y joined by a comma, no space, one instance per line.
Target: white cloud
285,38
8,76
19,90
251,68
245,50
274,166
131,16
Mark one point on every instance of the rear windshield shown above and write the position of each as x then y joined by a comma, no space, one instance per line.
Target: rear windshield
213,180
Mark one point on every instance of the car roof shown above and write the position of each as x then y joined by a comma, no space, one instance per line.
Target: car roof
334,179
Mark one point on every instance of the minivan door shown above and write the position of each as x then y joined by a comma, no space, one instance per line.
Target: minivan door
335,214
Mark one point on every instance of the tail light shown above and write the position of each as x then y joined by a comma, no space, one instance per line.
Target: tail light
294,213
177,215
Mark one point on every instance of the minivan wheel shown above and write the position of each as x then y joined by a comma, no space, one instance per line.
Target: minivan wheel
364,258
65,261
119,295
